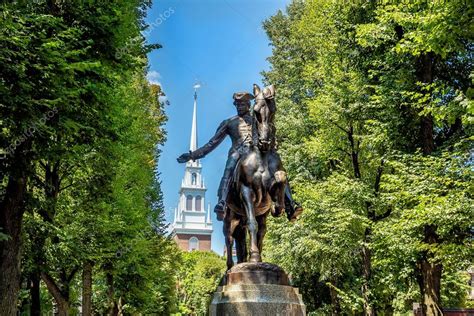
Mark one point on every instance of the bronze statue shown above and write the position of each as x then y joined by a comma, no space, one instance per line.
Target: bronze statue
254,178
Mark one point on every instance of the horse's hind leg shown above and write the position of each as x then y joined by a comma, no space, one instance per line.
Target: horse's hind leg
262,229
240,243
251,223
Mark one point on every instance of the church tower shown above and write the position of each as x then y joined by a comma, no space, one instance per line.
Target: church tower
192,225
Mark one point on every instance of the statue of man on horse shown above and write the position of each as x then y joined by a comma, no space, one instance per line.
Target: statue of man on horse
254,182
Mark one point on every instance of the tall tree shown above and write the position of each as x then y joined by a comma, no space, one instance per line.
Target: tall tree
359,86
57,60
427,47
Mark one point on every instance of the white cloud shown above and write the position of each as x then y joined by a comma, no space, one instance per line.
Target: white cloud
153,77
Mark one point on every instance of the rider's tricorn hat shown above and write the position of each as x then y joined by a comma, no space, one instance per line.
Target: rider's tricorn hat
243,96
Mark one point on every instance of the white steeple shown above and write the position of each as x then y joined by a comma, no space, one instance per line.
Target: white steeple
191,219
193,143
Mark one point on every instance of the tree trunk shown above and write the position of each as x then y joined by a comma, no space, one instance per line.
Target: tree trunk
87,288
429,271
429,276
430,288
113,308
369,310
63,308
426,134
61,297
425,75
120,306
38,240
35,307
336,307
11,215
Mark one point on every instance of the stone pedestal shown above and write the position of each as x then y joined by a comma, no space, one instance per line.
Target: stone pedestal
256,289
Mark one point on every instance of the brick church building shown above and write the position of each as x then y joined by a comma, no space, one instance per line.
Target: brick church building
192,225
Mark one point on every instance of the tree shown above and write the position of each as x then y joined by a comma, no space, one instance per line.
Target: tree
197,280
59,68
356,99
428,49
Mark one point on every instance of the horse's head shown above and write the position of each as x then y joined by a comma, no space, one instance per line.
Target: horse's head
264,111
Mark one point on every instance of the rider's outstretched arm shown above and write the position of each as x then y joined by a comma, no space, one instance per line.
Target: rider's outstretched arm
218,137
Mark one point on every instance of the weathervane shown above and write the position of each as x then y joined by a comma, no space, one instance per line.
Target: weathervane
196,86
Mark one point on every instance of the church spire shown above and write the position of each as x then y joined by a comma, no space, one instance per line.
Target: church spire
192,227
193,145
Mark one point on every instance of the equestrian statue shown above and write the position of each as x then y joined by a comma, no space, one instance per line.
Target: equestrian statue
254,182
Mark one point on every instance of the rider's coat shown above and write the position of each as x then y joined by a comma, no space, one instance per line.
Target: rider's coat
240,131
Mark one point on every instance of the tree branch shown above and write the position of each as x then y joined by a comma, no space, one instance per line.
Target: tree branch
378,177
354,153
67,186
67,171
339,126
384,215
52,287
72,274
38,179
56,166
42,164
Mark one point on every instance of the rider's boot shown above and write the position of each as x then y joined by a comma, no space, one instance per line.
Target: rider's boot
292,208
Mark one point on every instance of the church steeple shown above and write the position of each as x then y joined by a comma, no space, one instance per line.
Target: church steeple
193,143
192,225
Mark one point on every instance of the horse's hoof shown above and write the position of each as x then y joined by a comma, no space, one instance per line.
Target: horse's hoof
280,176
277,211
220,216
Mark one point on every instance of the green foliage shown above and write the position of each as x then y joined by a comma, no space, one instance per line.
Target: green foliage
359,86
78,111
327,236
197,280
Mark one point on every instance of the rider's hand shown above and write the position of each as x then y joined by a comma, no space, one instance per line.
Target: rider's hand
185,157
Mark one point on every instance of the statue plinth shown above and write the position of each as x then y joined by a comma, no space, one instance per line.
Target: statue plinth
256,289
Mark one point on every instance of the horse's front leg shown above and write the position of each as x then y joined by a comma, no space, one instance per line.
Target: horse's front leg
240,242
230,223
277,191
248,197
278,184
262,229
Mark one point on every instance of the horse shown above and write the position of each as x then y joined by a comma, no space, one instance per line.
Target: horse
258,184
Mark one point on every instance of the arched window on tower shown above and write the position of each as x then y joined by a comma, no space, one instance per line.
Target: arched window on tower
198,203
193,178
189,202
193,244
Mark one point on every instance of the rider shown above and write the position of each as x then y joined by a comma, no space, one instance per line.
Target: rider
239,128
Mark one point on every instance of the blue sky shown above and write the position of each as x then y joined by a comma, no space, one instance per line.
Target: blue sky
220,44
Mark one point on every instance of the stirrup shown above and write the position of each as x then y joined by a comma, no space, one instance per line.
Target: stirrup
293,210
